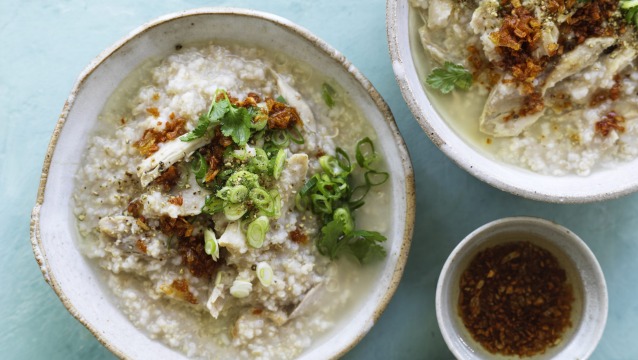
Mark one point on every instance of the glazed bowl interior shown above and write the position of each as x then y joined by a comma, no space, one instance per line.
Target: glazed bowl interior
411,68
54,232
589,310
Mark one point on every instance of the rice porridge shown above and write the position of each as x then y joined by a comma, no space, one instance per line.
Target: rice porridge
221,198
547,85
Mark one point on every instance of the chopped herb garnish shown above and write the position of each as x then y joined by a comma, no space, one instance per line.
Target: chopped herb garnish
630,8
200,130
235,121
242,187
328,93
281,99
329,193
236,124
363,245
216,111
450,76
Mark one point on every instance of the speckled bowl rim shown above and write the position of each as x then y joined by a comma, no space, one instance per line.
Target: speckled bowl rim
459,253
329,51
461,158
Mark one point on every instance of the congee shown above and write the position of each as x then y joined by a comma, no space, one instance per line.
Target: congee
234,202
547,85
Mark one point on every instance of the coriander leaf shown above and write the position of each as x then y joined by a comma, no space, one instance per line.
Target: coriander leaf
215,113
200,129
448,77
236,124
364,245
281,99
328,244
219,109
327,92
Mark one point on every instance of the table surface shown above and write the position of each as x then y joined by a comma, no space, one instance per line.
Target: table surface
46,44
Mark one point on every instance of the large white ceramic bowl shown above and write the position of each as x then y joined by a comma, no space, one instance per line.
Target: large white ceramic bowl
53,228
407,55
589,311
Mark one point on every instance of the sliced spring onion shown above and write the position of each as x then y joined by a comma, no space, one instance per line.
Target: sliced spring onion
241,288
199,165
237,194
329,189
259,121
276,200
184,176
235,211
264,273
278,164
213,205
330,165
327,93
321,204
357,195
223,193
343,215
365,153
210,244
309,185
280,138
256,233
244,153
295,135
261,199
343,160
301,202
219,278
260,162
374,178
270,148
243,177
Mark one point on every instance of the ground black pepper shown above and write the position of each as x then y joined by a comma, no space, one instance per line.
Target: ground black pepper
515,299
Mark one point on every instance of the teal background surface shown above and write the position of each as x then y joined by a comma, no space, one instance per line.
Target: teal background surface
44,45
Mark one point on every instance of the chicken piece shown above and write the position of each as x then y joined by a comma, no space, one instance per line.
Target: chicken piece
506,99
485,18
233,239
294,99
157,203
435,51
439,13
215,302
168,154
578,59
617,61
308,302
128,233
217,298
119,226
292,179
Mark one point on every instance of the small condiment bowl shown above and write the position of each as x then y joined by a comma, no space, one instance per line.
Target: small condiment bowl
589,310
